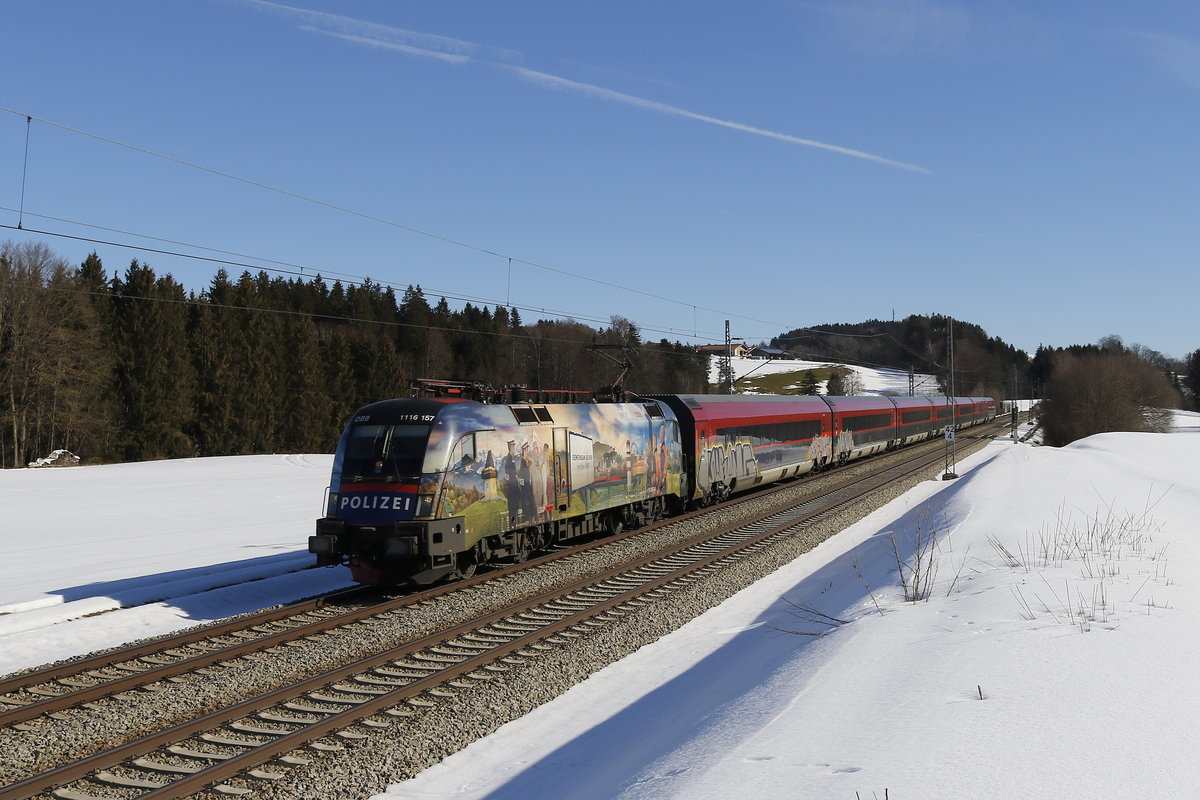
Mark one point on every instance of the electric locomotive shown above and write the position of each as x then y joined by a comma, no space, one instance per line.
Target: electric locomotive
430,488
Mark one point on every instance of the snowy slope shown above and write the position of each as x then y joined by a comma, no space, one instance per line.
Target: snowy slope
874,380
158,539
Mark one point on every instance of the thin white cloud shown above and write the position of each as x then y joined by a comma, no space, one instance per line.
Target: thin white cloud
451,58
457,51
890,28
555,82
1177,57
369,32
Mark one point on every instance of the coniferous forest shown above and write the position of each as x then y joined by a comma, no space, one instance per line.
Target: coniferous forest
985,366
130,366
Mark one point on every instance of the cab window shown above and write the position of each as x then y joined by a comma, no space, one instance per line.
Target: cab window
384,452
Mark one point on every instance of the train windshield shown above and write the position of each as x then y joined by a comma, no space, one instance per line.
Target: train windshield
386,453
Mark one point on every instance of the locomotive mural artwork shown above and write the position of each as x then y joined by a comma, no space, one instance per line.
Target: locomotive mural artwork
431,488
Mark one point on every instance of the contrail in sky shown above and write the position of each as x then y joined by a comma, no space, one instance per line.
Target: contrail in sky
554,81
457,51
368,30
453,58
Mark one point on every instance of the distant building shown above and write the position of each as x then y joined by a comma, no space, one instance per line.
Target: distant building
736,349
769,352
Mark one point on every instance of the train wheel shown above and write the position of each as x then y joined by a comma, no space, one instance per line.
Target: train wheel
468,562
466,565
614,522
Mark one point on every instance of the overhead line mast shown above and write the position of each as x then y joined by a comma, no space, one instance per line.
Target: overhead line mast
952,428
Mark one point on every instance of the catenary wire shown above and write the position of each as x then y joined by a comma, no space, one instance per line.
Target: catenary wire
646,346
371,217
303,270
300,272
342,209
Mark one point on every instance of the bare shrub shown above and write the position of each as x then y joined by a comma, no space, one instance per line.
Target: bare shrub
811,617
918,573
1108,547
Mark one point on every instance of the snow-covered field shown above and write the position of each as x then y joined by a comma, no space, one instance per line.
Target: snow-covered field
1053,658
170,543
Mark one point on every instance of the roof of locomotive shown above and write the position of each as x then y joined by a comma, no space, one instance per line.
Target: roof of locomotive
460,414
402,410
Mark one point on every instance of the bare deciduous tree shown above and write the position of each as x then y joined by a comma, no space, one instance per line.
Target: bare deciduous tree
1100,392
53,367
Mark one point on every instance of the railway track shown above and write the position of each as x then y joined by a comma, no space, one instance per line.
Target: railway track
29,695
231,748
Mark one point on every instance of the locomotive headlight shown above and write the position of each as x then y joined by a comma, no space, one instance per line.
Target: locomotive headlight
331,528
322,545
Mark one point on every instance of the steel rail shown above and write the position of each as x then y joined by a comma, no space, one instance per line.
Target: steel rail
67,669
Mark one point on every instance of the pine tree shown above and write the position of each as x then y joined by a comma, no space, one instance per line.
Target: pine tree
154,376
311,420
371,349
77,397
412,334
256,368
213,338
1191,380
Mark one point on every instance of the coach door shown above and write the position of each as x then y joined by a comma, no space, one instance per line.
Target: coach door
562,469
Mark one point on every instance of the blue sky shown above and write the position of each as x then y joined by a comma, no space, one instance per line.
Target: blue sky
1029,167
